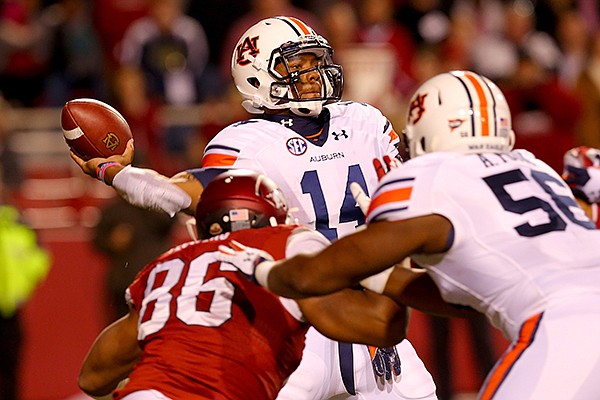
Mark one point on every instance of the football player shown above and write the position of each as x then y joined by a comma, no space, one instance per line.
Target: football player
496,230
582,173
313,146
198,329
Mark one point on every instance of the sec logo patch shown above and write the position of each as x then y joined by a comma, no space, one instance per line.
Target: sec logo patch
297,146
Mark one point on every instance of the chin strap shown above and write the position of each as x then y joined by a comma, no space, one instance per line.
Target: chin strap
306,109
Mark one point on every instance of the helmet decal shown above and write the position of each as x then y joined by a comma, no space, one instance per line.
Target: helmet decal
455,123
248,46
417,106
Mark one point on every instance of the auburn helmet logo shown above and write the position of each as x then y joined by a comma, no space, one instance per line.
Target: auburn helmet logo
417,108
248,46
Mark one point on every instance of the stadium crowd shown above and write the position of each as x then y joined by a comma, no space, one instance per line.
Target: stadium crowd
140,55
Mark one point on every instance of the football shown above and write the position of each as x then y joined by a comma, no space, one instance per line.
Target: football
93,129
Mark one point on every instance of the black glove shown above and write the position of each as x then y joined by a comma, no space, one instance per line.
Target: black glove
385,361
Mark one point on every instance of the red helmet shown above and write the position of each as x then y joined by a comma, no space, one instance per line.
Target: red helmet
239,199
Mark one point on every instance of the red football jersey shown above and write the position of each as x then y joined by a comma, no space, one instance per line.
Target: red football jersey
206,331
595,215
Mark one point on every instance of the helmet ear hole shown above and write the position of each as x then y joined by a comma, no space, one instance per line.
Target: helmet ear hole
253,81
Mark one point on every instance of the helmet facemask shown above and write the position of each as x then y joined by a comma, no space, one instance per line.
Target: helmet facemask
284,88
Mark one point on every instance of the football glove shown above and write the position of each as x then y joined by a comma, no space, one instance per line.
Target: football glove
245,259
385,361
383,168
584,182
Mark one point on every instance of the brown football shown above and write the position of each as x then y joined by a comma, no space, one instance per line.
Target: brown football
93,129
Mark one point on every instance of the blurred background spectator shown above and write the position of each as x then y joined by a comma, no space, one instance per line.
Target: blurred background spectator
130,238
588,92
170,48
142,111
544,112
377,26
23,52
75,65
111,19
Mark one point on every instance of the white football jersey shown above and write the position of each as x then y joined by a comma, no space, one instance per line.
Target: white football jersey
519,241
314,169
315,178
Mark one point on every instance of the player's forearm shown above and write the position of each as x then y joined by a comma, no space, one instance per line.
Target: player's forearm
383,323
341,265
367,318
111,358
147,189
298,277
416,289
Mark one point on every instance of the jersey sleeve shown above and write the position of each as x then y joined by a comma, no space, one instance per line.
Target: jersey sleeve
405,192
389,139
229,148
134,294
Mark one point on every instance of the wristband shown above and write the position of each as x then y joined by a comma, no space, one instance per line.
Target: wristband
377,282
261,273
102,167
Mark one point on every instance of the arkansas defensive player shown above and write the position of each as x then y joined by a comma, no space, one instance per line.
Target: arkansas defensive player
198,329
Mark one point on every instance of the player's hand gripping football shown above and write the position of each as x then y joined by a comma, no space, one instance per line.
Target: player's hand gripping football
246,259
90,166
381,169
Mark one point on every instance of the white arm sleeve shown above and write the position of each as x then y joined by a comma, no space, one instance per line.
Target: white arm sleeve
377,282
302,241
148,189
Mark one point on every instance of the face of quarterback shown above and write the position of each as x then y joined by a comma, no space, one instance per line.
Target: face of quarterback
302,69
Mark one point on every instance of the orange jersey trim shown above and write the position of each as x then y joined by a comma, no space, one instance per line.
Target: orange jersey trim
218,160
525,338
390,197
393,135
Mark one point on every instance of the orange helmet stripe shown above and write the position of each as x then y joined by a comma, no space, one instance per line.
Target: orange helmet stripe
301,25
483,104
